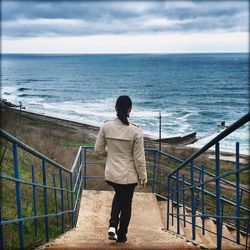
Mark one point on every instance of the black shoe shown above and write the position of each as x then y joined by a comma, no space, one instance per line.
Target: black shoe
122,239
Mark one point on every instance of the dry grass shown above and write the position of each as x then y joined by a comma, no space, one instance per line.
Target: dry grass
56,139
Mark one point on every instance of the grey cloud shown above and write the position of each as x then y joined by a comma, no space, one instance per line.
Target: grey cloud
35,18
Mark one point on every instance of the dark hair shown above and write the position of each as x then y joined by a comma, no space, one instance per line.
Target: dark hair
122,106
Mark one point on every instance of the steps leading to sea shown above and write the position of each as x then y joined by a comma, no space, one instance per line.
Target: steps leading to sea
146,230
207,241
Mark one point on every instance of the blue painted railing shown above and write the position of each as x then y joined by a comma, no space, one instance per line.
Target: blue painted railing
184,183
196,189
187,183
64,185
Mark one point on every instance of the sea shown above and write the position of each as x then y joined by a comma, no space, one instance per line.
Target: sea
193,92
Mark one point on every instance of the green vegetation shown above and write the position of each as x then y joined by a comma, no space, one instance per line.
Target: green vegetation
54,139
9,203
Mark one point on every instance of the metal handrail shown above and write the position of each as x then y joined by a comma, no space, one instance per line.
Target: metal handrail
22,145
196,168
73,193
227,218
197,186
179,186
223,134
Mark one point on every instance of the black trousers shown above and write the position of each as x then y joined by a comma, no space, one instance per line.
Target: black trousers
121,207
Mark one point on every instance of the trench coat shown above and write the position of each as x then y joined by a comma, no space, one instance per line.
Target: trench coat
124,147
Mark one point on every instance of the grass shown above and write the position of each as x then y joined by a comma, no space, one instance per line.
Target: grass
9,207
54,139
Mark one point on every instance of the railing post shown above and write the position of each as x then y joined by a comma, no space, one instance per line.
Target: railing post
192,200
218,214
85,169
202,200
72,199
177,202
62,198
247,233
80,159
222,213
241,194
18,196
154,172
198,190
1,227
183,200
172,203
34,197
237,193
68,199
45,200
55,197
168,195
80,167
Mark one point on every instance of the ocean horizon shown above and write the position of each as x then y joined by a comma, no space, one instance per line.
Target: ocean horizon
194,92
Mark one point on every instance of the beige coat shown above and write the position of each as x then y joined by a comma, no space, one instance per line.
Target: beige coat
124,147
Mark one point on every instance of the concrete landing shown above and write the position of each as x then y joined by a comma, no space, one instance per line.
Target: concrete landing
145,230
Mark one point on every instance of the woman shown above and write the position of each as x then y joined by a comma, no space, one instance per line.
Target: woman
122,142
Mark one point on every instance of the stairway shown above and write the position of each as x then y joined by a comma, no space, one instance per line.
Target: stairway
207,241
145,230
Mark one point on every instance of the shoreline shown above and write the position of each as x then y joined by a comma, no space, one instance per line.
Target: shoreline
182,151
42,115
96,128
190,140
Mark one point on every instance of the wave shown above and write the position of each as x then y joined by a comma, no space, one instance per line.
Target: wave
37,89
29,80
45,90
30,95
23,89
227,144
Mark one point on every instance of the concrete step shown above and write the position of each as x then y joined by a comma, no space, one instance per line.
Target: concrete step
145,230
209,240
172,224
245,240
226,244
233,234
188,229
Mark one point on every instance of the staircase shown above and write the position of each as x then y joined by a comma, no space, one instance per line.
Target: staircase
146,229
208,240
185,206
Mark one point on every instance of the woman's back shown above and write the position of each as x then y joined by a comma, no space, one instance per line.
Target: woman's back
125,152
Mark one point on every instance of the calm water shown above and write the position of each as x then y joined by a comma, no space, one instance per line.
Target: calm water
194,92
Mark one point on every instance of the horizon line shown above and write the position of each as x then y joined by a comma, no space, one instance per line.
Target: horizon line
119,53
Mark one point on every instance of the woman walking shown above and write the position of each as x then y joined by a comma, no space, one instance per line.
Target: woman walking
122,142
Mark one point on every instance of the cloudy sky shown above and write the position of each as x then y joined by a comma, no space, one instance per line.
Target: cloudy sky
124,26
